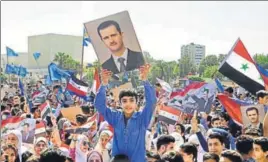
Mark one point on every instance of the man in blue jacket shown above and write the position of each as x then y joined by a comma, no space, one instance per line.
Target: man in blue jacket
129,126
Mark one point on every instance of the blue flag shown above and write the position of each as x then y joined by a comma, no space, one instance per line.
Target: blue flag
9,69
48,80
22,71
36,55
86,39
55,73
219,85
21,87
11,52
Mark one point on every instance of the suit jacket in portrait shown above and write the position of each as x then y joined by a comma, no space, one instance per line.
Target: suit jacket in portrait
134,61
28,138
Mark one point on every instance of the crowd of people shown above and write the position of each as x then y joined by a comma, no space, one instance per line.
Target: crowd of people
127,130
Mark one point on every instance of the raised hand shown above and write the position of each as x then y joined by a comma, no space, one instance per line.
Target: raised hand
105,76
144,71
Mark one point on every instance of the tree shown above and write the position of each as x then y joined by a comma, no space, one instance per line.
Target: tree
186,66
209,60
196,79
212,71
221,57
262,60
65,61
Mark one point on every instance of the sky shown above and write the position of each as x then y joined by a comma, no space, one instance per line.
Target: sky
161,27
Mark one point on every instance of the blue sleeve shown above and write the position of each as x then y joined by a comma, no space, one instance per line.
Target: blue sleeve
150,103
202,141
100,104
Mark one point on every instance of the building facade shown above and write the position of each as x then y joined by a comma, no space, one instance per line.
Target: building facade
48,45
196,52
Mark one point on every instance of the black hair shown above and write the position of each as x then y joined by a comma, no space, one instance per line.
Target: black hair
252,108
244,144
152,155
261,94
82,119
253,132
158,84
189,149
217,136
3,107
28,125
52,155
214,119
225,116
56,87
229,89
128,93
181,126
106,24
262,142
85,109
164,140
211,156
232,155
26,155
120,158
172,157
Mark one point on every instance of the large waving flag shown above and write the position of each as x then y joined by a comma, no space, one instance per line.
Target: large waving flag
77,87
11,52
9,69
36,55
232,108
240,67
196,96
168,114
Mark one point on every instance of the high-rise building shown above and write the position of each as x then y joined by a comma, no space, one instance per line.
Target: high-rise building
196,52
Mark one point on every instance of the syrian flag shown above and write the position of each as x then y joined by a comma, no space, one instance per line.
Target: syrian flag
77,87
240,67
45,110
40,128
168,114
232,108
165,86
96,83
10,124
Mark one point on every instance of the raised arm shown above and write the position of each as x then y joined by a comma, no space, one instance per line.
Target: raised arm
150,103
100,101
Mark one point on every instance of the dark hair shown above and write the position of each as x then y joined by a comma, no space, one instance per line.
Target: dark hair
181,126
52,155
244,144
262,142
85,109
189,148
26,155
40,82
106,24
158,84
172,157
229,89
81,118
164,140
56,87
225,116
211,156
232,155
28,125
261,94
253,132
14,149
120,158
214,119
252,108
217,136
128,93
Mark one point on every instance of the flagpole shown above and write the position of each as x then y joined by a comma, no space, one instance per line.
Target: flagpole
82,60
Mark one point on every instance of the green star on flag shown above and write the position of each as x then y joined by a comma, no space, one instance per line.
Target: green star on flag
261,78
244,67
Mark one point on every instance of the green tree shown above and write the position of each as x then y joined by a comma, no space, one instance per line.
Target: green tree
186,66
212,71
262,60
221,57
196,79
65,61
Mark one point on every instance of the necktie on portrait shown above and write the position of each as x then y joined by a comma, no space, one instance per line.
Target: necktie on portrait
122,64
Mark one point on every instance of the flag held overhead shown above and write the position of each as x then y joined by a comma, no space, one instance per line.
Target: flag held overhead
11,52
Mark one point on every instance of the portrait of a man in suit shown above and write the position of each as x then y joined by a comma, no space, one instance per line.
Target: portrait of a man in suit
122,58
254,119
27,134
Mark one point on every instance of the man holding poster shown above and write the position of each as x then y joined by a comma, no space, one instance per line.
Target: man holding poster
122,58
253,116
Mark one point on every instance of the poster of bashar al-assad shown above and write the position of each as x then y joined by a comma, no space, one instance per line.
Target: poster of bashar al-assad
115,43
253,117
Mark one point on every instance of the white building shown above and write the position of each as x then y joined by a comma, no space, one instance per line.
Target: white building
48,45
195,51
